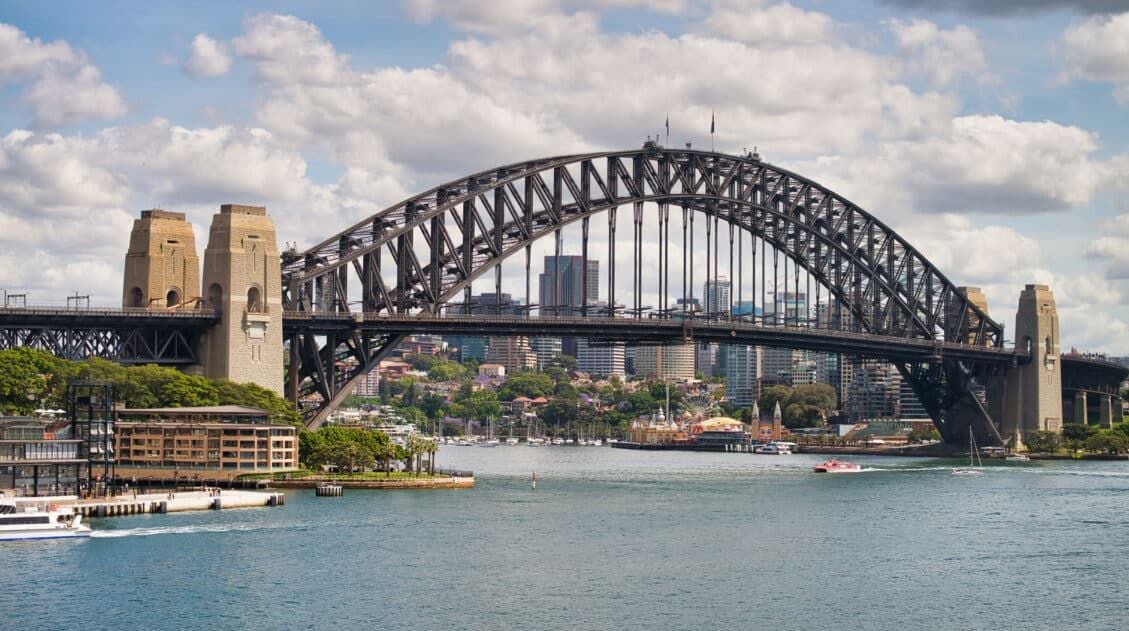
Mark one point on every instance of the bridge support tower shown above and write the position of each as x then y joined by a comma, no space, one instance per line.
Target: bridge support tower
243,282
1034,390
162,269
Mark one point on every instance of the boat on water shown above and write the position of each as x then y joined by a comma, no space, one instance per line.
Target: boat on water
974,463
40,518
837,466
511,441
1017,458
558,441
773,449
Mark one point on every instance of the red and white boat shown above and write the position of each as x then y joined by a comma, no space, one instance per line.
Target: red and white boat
837,466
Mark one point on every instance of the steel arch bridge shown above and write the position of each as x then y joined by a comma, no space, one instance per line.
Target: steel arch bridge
421,254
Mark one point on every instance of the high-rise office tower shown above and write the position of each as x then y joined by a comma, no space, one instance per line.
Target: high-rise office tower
487,303
565,287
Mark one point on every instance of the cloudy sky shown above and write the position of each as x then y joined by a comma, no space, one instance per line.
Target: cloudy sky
994,134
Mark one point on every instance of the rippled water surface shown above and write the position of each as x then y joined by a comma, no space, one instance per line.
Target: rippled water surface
613,539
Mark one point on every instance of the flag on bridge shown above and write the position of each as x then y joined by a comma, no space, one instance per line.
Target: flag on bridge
711,122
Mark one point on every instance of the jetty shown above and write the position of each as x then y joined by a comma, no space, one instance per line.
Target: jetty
175,502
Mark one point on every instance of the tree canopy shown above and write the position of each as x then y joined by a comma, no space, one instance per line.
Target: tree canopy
32,378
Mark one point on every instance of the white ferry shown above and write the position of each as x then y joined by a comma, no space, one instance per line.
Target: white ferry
40,518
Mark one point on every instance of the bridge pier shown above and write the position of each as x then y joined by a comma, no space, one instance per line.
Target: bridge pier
1034,390
1105,410
243,283
1081,408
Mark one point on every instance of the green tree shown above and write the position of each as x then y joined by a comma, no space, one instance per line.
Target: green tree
22,384
1109,442
807,405
526,384
770,396
1043,442
568,362
444,370
560,412
347,448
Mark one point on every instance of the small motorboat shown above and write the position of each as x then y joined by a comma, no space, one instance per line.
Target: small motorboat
837,466
1016,458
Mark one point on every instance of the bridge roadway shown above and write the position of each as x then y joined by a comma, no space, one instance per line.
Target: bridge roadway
648,330
18,324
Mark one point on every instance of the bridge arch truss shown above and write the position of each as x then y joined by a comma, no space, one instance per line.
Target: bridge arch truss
421,254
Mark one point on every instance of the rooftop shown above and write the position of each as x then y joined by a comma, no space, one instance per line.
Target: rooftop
209,410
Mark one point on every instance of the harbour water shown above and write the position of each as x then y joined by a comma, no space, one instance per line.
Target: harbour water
613,539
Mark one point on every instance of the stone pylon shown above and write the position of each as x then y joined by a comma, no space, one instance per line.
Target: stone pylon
1034,390
162,269
243,282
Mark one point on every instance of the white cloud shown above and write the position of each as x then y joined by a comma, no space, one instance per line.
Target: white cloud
61,98
207,57
520,15
940,55
1097,49
67,88
50,173
979,164
1112,246
288,50
21,56
781,24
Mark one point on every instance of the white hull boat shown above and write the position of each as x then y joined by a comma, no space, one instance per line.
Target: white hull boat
40,518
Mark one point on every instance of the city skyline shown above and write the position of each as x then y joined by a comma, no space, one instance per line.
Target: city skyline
1003,164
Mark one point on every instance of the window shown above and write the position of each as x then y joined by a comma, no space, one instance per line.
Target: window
215,297
172,298
136,298
254,301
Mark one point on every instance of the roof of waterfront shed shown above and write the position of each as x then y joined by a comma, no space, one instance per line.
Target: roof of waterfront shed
211,410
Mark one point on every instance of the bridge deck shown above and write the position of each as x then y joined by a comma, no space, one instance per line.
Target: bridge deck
647,330
49,317
634,330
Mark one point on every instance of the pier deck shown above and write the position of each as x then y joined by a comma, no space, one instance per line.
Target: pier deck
176,501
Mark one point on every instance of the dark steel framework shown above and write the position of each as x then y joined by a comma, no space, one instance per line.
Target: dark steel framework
128,336
421,254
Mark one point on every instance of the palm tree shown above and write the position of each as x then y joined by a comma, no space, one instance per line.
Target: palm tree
431,447
386,453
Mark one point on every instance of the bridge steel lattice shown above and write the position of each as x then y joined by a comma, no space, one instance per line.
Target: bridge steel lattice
128,336
421,254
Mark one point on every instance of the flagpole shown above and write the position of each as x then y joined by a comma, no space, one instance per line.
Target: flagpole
712,123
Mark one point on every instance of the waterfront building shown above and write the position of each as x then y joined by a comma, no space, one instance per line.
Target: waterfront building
369,385
790,309
222,440
673,362
742,373
547,349
473,347
492,370
909,406
600,360
512,352
874,390
40,456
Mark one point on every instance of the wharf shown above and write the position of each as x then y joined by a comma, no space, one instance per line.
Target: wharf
175,502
